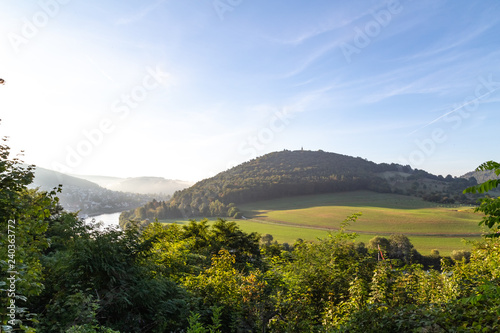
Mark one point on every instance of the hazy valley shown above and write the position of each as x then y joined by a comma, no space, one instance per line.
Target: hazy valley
95,195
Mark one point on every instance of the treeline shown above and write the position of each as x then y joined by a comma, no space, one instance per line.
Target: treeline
444,190
293,173
63,276
170,210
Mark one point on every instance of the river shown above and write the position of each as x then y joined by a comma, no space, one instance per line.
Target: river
107,219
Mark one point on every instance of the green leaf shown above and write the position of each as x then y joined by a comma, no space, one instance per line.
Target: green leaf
490,165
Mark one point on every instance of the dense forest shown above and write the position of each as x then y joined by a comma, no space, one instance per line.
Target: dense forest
60,275
291,173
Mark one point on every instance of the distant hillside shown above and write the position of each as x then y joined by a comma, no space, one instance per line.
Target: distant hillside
151,185
48,179
87,197
143,185
481,176
292,173
103,181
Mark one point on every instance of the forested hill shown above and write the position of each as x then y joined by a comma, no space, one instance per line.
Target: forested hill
289,173
292,173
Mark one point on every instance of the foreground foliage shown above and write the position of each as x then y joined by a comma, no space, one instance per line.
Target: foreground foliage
75,278
489,206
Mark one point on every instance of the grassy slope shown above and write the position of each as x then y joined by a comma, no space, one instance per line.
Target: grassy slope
428,225
382,213
290,233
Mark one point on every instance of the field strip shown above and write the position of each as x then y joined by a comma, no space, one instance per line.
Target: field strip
289,224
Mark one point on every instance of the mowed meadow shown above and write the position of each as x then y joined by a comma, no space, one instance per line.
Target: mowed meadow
428,225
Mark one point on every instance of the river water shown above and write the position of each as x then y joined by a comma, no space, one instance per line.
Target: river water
109,220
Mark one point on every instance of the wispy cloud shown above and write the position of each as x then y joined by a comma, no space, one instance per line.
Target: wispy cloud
140,14
311,59
452,42
341,20
304,36
443,75
476,100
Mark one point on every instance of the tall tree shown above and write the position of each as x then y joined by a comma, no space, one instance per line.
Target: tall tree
24,218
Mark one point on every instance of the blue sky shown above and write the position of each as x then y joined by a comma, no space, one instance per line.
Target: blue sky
186,89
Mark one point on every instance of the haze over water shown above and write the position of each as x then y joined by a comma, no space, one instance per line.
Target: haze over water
109,220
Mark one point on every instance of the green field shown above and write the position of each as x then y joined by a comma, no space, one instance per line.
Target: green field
281,233
382,213
428,225
289,233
